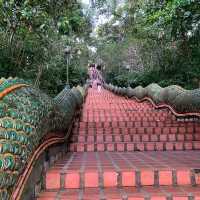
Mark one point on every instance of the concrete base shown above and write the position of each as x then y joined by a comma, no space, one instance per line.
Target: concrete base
36,181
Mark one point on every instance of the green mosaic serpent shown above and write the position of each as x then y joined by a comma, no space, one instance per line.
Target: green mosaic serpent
26,116
181,100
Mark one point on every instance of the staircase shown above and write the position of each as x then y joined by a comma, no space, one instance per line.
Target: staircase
121,149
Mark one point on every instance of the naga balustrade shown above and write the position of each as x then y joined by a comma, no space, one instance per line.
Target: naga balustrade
30,122
180,101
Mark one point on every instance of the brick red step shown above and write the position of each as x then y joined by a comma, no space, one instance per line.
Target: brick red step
93,118
139,115
142,134
99,138
123,114
127,117
137,130
141,130
128,193
105,169
136,146
137,123
109,135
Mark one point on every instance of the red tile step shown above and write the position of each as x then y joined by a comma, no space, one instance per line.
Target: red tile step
183,126
138,131
128,193
109,129
150,116
100,137
137,146
112,169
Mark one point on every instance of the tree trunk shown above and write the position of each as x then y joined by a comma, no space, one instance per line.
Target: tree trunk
39,74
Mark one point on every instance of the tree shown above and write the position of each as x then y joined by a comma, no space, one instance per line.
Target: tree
33,35
165,35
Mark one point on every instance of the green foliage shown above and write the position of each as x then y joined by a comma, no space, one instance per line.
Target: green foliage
166,36
33,36
186,77
144,42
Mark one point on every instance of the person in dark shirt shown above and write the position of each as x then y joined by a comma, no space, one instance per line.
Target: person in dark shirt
99,79
92,74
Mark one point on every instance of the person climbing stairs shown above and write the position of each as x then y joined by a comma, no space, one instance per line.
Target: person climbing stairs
122,149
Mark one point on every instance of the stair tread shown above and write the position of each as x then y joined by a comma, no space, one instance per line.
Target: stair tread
110,165
131,193
137,160
132,142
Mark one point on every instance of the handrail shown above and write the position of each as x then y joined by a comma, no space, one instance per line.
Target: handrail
16,195
159,106
180,102
27,116
11,89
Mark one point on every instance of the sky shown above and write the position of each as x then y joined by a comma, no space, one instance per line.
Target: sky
85,1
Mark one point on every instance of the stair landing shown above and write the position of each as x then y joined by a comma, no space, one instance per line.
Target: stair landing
125,193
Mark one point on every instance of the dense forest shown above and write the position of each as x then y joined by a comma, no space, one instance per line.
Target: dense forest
137,42
152,41
34,36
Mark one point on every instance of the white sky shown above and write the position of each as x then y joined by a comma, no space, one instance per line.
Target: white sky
86,1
